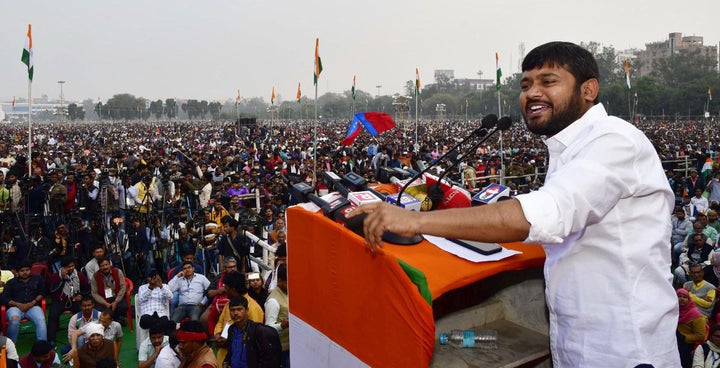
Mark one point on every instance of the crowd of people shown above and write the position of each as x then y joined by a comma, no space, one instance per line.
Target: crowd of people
167,206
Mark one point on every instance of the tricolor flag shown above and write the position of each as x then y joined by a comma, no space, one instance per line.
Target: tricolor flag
709,94
417,82
27,54
272,96
374,122
318,62
353,88
627,74
237,100
299,94
498,71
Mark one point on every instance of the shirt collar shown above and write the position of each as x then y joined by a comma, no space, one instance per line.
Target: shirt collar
562,139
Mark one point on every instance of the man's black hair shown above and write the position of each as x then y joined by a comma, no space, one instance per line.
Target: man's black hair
236,281
239,301
282,272
40,347
65,261
575,59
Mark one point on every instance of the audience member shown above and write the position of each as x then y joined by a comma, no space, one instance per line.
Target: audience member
153,344
169,357
702,293
108,289
707,355
192,343
256,289
249,344
691,326
192,288
216,292
23,295
277,313
41,355
235,286
67,288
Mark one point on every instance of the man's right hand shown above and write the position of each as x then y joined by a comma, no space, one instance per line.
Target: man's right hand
69,356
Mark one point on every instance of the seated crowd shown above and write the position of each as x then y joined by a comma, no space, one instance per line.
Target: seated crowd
163,209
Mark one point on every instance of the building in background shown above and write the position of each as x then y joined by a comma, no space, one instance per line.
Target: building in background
676,42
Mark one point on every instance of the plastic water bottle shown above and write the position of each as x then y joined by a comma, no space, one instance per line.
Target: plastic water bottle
483,339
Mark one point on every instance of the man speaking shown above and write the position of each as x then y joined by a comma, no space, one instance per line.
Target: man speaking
602,218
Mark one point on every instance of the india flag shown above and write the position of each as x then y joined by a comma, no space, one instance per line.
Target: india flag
498,71
318,62
706,170
417,82
353,88
299,94
27,53
627,74
272,96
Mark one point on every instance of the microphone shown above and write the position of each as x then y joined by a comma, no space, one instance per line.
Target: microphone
336,209
435,191
487,122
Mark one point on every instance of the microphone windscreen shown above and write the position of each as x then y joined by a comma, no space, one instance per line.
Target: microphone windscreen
455,198
504,123
489,121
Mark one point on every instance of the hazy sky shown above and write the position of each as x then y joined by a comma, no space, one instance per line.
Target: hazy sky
210,49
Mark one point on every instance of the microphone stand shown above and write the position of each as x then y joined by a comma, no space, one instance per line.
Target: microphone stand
412,240
436,193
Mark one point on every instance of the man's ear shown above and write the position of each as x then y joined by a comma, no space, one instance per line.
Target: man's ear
590,89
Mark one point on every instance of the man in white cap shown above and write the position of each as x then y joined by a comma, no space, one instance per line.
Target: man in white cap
96,348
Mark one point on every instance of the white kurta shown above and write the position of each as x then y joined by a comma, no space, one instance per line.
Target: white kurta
603,218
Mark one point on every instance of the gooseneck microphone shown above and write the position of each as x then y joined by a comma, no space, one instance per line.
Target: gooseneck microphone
488,122
435,191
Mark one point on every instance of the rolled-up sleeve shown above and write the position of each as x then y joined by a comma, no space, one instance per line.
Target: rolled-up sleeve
583,188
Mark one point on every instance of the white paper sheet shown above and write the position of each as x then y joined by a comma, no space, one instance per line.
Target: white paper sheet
226,328
467,254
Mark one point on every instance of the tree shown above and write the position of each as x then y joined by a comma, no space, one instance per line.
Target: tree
123,106
171,108
75,112
410,88
156,108
89,107
203,109
215,108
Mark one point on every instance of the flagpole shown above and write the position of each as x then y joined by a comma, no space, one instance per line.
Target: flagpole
502,156
315,138
629,109
29,128
417,98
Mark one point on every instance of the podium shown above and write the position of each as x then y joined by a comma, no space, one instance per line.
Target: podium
350,307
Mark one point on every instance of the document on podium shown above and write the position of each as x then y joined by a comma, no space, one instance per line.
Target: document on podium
467,254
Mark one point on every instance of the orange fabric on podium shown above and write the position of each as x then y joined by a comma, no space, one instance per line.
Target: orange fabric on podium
364,301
